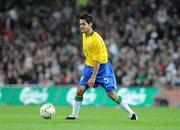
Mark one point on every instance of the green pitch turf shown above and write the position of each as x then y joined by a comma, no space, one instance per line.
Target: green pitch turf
91,118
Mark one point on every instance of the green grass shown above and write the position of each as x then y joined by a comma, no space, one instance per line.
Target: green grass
91,118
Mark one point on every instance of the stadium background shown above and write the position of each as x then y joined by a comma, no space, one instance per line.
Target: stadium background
40,45
41,61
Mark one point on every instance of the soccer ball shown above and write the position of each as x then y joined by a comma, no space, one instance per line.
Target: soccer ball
47,111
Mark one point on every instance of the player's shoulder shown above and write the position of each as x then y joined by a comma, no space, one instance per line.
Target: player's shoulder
97,35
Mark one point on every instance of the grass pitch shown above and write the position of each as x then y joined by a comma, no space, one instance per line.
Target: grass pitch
91,118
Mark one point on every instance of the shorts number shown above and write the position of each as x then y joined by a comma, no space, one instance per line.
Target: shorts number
106,80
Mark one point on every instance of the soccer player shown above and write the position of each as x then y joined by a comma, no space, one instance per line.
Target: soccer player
98,70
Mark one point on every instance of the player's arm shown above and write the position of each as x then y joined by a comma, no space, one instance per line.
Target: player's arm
97,50
94,74
96,69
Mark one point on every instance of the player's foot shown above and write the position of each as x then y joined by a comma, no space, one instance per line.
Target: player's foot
133,116
71,118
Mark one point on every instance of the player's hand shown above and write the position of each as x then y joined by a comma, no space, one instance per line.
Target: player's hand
91,82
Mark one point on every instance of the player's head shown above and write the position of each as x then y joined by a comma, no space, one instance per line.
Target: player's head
85,22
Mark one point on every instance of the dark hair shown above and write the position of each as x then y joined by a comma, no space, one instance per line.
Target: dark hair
87,17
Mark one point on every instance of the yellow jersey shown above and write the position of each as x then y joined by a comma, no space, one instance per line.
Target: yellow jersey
94,49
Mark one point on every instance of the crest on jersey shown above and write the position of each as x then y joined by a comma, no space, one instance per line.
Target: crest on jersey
88,44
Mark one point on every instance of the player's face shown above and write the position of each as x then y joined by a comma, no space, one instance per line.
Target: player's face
84,26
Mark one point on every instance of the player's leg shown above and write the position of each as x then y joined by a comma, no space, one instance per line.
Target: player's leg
83,86
78,100
108,82
77,103
123,104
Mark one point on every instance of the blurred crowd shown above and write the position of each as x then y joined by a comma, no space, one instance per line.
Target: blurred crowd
40,41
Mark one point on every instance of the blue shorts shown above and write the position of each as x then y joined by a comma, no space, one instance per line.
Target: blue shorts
104,78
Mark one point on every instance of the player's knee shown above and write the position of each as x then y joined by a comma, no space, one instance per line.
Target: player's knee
80,91
110,94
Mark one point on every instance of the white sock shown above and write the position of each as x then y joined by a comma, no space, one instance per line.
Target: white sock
76,108
126,107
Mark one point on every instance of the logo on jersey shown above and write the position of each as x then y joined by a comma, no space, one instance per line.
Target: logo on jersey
88,44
